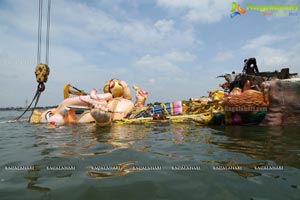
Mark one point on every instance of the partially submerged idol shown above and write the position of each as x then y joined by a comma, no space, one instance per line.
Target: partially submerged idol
114,104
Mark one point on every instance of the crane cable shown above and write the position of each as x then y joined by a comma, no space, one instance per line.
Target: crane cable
42,70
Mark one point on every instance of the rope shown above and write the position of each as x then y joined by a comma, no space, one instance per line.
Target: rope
42,70
40,23
48,32
40,89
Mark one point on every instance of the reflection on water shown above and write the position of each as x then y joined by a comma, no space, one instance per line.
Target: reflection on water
279,143
177,141
91,151
116,170
119,136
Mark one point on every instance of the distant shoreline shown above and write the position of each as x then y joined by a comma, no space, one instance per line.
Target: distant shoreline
23,109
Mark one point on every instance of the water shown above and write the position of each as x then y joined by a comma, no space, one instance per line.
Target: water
143,162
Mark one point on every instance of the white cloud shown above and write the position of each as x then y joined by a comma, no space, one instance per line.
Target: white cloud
157,63
167,62
180,56
272,58
264,40
167,76
164,26
93,26
204,11
80,25
151,81
15,16
88,45
268,55
141,43
223,56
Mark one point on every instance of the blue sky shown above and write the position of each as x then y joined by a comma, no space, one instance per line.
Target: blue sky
174,49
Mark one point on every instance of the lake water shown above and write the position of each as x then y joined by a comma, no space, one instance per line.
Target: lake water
161,161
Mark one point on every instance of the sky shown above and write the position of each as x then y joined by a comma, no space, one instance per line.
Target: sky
174,49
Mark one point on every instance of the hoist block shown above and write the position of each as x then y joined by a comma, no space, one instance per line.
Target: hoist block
41,72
